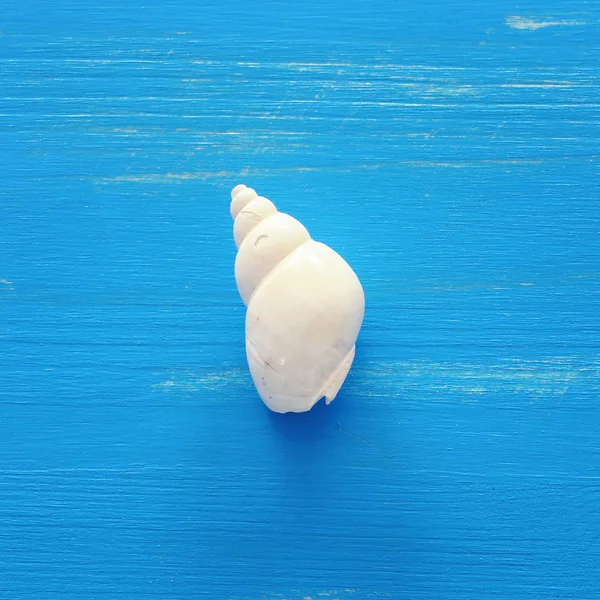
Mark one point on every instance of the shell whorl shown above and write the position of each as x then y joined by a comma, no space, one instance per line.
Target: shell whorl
264,238
248,209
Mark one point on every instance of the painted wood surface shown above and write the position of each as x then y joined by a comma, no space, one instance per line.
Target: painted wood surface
449,151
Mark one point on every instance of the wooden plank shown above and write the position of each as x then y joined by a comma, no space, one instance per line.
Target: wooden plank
450,152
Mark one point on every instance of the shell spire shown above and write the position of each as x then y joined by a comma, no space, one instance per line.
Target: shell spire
305,306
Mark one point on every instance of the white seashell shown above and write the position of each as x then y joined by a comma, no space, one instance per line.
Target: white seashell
305,306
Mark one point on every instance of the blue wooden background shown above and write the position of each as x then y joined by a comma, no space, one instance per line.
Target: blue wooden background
449,150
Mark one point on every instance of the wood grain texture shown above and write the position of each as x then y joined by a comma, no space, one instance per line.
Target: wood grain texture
449,151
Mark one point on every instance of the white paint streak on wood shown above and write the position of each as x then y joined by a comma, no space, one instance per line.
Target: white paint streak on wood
516,22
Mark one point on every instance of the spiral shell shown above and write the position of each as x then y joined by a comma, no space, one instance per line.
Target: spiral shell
305,306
